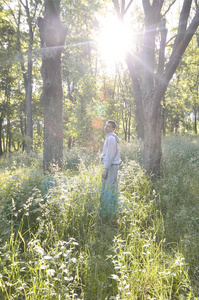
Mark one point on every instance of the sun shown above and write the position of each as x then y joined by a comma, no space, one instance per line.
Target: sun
114,40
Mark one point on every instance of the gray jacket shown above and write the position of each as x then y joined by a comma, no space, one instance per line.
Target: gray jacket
110,154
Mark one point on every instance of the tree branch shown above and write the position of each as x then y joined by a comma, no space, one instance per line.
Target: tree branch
169,8
147,6
117,7
123,7
11,10
22,4
184,15
177,54
157,5
161,62
127,8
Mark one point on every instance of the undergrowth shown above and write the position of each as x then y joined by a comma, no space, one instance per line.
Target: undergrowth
54,245
179,198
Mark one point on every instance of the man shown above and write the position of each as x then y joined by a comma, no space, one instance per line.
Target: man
110,160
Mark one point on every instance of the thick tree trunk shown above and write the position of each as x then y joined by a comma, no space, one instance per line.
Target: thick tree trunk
52,103
53,37
152,140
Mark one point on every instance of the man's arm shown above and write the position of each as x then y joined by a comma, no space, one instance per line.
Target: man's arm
110,154
104,174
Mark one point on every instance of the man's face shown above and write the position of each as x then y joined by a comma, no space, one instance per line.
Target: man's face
108,128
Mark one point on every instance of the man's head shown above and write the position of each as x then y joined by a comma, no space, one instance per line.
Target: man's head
109,126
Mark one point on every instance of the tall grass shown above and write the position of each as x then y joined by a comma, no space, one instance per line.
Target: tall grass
54,245
179,197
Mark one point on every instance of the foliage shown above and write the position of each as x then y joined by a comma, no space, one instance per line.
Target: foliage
64,250
182,96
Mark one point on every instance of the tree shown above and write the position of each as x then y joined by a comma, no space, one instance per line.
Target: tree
27,76
151,72
52,35
22,15
6,77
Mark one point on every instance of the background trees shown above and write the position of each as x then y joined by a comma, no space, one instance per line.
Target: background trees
91,93
21,16
182,96
7,46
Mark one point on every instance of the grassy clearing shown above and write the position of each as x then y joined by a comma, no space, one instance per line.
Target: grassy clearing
54,245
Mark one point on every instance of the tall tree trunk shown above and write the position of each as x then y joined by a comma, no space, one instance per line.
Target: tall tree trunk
152,138
8,140
1,123
150,106
129,125
124,126
52,36
195,118
22,133
29,125
27,75
8,137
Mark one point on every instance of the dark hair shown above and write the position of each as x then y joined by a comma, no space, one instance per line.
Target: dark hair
113,123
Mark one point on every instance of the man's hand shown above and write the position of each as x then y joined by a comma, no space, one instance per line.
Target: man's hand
104,174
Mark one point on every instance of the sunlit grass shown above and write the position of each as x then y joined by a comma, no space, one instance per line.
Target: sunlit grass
54,245
179,197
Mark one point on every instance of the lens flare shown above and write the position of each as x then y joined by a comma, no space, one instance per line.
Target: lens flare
97,123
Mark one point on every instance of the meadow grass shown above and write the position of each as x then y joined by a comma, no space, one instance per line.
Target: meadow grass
54,245
179,198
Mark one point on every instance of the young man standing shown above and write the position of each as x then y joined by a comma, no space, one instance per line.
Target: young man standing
110,160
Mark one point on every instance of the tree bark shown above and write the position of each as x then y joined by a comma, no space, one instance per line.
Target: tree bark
52,36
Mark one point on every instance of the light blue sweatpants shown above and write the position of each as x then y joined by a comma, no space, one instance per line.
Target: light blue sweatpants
109,192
